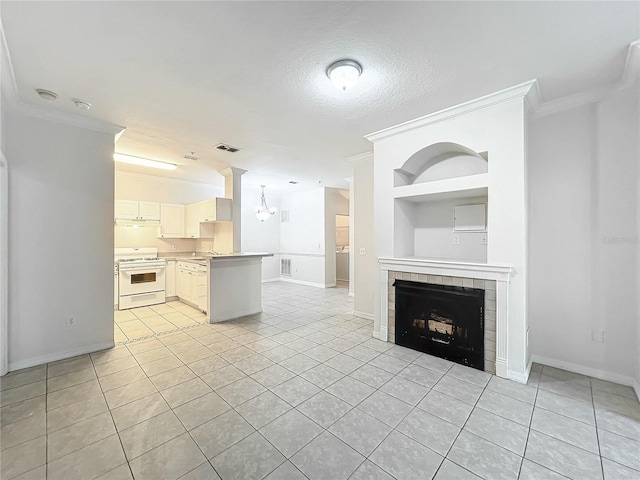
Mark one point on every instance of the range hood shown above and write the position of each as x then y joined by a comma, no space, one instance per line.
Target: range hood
126,222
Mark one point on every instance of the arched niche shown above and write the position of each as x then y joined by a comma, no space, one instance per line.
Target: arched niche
440,161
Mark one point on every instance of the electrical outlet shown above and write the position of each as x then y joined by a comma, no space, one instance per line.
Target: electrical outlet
174,247
363,251
70,321
456,239
484,240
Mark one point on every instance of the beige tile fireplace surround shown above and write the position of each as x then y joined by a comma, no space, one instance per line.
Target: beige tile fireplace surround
489,287
493,279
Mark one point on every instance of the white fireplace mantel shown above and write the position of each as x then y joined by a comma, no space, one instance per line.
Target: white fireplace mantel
501,274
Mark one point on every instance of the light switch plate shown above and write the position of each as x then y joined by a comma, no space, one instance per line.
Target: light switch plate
363,251
456,239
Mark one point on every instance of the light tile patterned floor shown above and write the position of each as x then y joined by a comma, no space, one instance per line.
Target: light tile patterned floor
146,322
303,391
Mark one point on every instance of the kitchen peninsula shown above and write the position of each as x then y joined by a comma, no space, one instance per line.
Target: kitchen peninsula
235,285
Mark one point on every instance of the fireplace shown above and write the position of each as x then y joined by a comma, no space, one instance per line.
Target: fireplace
442,320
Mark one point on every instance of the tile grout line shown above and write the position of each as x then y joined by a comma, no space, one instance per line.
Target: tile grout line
112,421
526,443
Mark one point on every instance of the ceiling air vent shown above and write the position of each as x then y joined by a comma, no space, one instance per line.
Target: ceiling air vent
227,148
191,156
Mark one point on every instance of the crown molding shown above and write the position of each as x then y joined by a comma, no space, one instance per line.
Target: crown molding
361,157
631,72
227,172
7,75
521,91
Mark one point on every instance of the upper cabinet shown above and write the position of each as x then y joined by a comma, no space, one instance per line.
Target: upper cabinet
216,210
172,220
176,221
133,210
200,215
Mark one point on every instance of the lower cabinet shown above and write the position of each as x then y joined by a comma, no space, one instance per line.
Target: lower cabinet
170,277
191,284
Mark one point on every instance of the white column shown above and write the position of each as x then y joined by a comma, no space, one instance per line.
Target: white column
502,329
232,190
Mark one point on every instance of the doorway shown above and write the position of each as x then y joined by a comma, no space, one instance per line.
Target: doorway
4,268
342,250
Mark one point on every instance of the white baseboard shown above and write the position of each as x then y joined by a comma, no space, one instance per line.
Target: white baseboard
269,280
302,282
520,377
376,335
330,285
54,357
589,371
368,316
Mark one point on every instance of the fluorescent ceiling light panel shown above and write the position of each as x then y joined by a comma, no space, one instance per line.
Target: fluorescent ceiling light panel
143,162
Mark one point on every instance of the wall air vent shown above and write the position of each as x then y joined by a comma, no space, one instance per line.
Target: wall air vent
285,266
227,148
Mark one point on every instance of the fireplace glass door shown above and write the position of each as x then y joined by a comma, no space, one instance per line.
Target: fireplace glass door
441,320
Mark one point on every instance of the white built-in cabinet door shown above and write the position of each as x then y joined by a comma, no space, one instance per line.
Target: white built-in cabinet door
202,291
193,220
133,210
149,210
182,283
172,220
170,279
127,209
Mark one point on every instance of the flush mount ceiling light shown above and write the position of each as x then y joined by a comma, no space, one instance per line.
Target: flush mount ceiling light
46,94
143,162
344,73
263,212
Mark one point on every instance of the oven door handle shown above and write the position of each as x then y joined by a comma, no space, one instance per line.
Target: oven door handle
144,269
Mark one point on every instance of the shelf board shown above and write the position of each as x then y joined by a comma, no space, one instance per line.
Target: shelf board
469,186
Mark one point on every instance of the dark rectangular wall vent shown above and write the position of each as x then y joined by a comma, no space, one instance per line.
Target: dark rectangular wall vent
227,148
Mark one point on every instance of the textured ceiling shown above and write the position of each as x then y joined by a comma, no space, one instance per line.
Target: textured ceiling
184,76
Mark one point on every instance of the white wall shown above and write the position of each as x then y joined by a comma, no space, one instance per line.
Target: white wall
302,238
60,239
365,265
260,236
583,179
434,233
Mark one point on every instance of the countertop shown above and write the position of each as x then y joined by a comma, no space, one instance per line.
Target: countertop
199,258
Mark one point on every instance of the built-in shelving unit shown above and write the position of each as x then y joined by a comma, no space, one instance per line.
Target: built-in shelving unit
467,186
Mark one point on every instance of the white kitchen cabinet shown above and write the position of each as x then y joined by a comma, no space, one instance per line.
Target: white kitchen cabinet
202,290
215,210
133,210
193,220
182,281
172,221
170,279
202,215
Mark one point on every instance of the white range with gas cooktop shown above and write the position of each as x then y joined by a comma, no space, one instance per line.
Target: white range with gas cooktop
141,277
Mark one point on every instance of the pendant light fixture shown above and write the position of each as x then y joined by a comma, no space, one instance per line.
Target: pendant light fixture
263,212
344,73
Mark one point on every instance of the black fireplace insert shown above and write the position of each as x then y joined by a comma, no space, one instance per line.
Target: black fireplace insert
441,320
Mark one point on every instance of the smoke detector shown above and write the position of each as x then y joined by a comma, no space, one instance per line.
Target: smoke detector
227,148
191,156
81,104
47,94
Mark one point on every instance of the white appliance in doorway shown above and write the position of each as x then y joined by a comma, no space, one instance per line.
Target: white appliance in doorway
141,277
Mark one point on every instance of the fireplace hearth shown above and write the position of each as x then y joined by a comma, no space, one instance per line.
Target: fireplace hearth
442,320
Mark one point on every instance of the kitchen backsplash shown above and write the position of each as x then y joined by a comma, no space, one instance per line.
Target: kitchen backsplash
147,237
